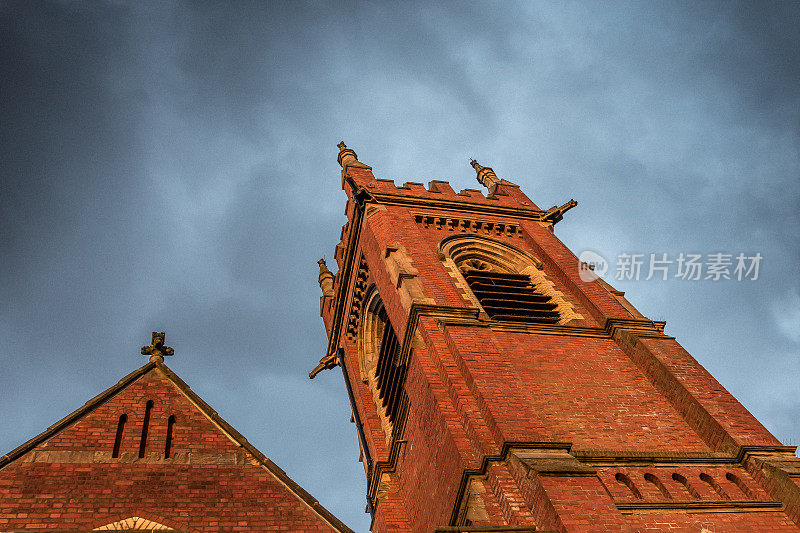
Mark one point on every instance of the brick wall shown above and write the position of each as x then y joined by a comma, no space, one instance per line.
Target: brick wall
209,483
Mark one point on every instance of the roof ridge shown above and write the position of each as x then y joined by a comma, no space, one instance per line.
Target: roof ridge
265,461
74,416
205,409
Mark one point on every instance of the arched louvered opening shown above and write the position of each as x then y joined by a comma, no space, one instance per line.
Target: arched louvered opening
711,482
653,479
145,427
625,480
168,443
510,296
507,282
688,486
736,480
379,351
389,372
123,419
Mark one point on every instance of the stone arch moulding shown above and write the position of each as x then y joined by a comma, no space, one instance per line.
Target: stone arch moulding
370,333
458,252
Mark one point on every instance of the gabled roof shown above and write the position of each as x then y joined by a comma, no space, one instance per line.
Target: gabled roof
204,408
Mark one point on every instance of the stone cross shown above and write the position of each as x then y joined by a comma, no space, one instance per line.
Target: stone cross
157,351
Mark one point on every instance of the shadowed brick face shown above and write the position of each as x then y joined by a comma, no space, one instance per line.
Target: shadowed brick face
593,420
210,482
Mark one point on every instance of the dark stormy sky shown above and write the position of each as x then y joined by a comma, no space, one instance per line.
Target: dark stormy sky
172,166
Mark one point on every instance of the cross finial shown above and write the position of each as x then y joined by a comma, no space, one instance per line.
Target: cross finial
157,350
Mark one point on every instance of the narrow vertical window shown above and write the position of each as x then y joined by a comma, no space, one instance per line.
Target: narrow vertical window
118,439
143,443
170,429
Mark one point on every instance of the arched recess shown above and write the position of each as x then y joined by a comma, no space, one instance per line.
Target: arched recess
378,351
470,253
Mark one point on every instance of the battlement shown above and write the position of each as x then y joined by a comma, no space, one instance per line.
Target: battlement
506,194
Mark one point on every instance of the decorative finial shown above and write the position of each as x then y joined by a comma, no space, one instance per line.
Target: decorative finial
486,176
325,278
348,158
157,351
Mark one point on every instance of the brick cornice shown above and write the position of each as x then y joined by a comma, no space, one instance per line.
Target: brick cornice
488,529
727,506
467,316
649,458
600,458
462,206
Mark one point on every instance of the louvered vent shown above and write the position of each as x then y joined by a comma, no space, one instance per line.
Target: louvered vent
389,374
511,297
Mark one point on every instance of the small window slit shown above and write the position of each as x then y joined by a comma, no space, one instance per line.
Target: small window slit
145,426
118,439
168,443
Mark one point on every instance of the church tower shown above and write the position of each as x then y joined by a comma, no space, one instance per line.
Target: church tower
496,388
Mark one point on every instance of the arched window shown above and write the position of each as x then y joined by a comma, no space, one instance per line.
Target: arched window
689,488
736,480
714,485
625,480
379,350
123,418
145,427
170,430
506,282
653,479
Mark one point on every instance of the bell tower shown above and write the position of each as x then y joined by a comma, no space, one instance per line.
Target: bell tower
496,387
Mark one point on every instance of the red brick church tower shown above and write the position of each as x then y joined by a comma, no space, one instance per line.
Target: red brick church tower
495,390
